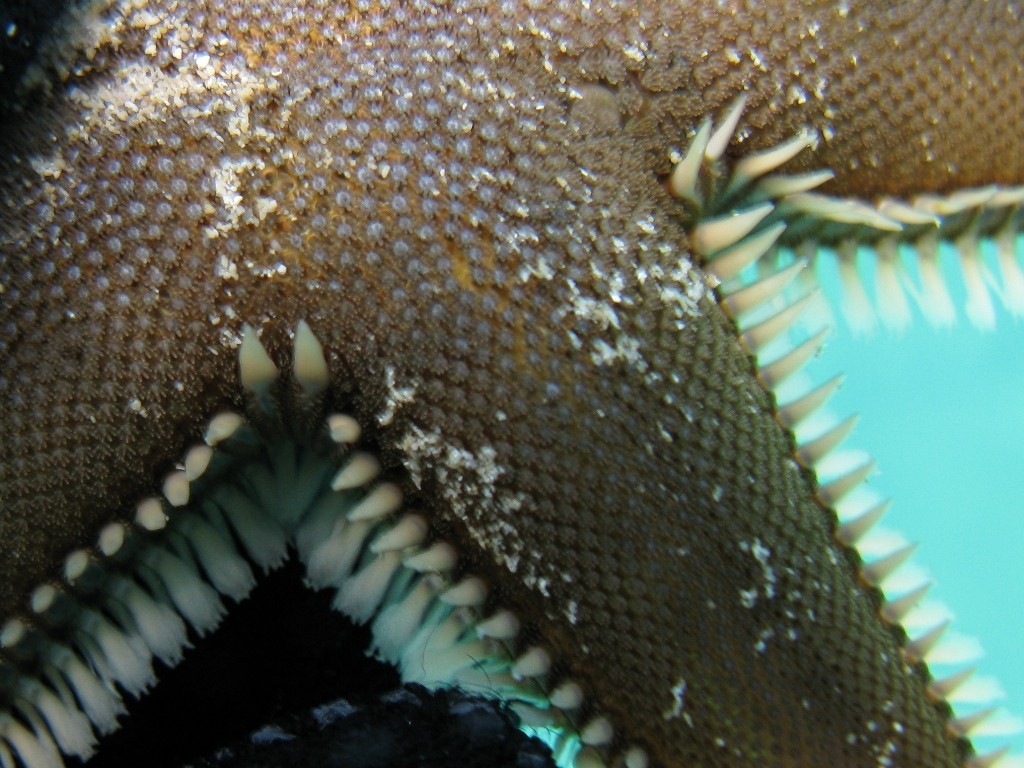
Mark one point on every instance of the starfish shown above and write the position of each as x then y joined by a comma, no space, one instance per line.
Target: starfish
493,316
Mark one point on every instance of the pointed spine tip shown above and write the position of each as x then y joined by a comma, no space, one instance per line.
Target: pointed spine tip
917,650
310,364
713,235
875,573
797,410
894,611
764,290
833,492
774,373
256,369
851,531
730,262
683,182
724,132
813,451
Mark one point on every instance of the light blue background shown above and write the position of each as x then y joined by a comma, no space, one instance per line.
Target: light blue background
942,412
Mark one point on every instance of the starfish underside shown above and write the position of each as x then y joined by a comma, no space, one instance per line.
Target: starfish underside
491,316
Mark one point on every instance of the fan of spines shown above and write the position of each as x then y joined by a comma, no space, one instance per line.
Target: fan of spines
286,476
760,234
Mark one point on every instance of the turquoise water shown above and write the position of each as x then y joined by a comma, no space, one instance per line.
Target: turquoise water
942,412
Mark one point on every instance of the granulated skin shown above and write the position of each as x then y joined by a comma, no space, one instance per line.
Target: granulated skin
466,205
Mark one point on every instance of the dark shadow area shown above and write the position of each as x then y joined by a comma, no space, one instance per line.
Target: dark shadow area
284,682
408,728
280,651
24,27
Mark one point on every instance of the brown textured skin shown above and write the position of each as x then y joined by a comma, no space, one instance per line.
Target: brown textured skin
574,410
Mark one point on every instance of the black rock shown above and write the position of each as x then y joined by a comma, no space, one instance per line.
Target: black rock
408,728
